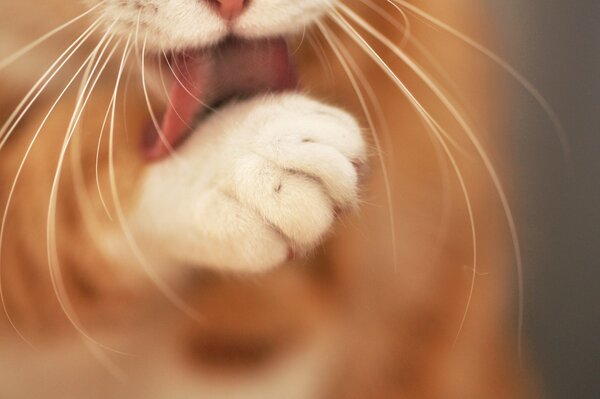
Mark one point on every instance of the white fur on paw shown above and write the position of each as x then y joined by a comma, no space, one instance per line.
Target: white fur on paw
256,180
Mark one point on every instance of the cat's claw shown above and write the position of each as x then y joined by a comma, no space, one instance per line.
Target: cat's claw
258,180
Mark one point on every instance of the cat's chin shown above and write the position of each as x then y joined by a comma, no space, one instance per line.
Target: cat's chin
205,79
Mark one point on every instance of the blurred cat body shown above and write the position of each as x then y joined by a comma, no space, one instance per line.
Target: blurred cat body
180,285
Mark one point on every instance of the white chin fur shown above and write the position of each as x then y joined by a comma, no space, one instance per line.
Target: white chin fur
181,24
279,17
257,179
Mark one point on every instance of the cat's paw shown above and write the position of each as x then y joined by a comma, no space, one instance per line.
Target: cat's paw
257,180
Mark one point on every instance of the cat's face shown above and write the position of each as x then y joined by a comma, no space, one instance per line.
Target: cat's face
184,24
227,48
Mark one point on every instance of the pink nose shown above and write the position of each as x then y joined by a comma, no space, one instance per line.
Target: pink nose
229,9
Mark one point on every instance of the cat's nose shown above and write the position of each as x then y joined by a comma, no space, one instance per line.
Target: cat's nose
229,9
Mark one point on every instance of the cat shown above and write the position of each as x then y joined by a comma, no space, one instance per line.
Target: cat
197,221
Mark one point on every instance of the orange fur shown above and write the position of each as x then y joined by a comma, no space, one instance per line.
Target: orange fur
397,325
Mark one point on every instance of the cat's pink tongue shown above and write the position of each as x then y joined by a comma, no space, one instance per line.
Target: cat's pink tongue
232,69
184,102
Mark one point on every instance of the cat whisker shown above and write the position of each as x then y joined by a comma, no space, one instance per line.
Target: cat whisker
439,127
122,219
99,144
89,81
443,228
389,147
125,97
509,69
186,76
18,173
404,27
153,117
162,81
439,69
300,43
78,110
406,24
23,107
97,161
507,209
344,62
183,85
318,49
82,196
373,98
425,116
27,48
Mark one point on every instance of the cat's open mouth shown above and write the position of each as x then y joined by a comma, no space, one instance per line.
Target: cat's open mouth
205,79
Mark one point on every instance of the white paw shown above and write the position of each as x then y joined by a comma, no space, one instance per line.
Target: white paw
255,181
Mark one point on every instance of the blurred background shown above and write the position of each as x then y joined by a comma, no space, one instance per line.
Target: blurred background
556,44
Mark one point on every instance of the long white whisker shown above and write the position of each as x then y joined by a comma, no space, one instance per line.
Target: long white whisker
151,273
389,148
480,151
390,202
364,81
18,174
162,81
315,43
97,164
186,76
440,154
52,250
379,10
19,112
184,86
524,82
428,119
15,56
439,128
82,195
99,145
405,27
159,131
